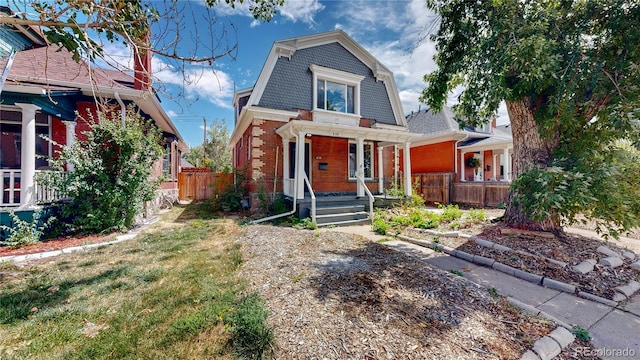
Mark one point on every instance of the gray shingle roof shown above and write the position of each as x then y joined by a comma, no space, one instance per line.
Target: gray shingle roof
429,123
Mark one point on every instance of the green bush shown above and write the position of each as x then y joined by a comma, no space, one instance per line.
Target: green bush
476,216
24,232
112,172
379,226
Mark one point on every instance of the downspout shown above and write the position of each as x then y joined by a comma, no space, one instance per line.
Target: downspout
295,194
123,109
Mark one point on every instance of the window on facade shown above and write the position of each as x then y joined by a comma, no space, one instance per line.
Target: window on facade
166,160
334,96
11,139
368,160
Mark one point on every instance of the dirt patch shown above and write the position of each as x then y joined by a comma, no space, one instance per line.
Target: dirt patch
339,296
56,244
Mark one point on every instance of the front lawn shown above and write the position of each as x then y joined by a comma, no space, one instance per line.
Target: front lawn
163,295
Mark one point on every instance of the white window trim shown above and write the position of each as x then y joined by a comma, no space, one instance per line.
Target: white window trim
341,77
365,143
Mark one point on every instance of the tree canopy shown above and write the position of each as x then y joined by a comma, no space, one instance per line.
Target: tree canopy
569,73
218,154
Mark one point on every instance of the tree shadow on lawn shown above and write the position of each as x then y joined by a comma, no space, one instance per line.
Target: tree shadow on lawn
44,292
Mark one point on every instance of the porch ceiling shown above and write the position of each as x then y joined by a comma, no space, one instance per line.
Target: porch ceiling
343,131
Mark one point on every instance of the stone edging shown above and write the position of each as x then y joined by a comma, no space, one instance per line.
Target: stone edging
488,262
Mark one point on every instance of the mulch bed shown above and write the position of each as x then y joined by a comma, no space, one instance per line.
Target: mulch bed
571,250
56,244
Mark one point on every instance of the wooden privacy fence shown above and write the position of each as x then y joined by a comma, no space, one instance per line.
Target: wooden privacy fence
483,194
434,187
196,184
441,188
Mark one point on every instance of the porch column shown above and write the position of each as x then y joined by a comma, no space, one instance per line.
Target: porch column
360,165
380,171
28,156
462,166
482,166
71,138
407,170
396,156
495,156
300,164
285,168
507,165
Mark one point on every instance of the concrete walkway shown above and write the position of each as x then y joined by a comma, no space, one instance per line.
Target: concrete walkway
615,331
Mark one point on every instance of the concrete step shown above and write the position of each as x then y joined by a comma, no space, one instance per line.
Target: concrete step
338,209
346,223
340,217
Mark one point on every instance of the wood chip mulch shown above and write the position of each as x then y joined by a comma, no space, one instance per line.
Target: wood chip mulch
333,295
571,249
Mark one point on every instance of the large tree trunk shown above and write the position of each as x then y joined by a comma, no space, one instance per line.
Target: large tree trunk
529,150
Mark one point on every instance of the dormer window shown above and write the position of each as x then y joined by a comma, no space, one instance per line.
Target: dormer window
334,96
335,90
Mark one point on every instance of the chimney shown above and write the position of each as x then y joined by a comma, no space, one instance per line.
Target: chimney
142,66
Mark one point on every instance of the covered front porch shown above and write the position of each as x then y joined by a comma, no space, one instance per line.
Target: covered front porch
331,160
493,156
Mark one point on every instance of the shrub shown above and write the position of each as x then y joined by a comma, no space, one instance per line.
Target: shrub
475,216
24,232
112,172
379,226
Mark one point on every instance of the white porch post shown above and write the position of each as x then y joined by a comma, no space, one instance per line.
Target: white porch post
71,138
495,156
285,167
300,164
396,156
28,156
407,170
462,166
507,165
380,171
360,165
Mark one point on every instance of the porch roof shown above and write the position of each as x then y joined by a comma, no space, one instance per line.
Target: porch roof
386,135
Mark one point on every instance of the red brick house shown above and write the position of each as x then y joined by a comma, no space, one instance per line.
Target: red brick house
323,119
47,93
440,145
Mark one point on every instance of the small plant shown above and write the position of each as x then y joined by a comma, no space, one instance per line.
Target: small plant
436,248
25,232
436,239
472,162
456,272
502,206
306,223
381,241
494,293
581,333
450,212
455,225
476,216
379,226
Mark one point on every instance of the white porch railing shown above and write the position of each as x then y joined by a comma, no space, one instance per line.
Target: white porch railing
11,192
313,198
369,194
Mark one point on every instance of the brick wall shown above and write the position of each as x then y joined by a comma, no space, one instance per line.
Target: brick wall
432,158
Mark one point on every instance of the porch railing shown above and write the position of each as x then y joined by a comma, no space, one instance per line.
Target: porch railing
11,191
313,198
369,194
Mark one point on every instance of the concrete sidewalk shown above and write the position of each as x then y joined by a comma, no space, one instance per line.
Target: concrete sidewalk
615,330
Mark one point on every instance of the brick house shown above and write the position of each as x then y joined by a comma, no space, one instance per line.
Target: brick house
47,93
323,111
440,145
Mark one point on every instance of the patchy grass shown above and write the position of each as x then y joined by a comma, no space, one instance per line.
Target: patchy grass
168,294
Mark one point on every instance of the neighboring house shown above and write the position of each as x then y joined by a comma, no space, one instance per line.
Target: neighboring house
323,109
47,93
440,145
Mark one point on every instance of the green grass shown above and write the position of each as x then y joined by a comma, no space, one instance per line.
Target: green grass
170,294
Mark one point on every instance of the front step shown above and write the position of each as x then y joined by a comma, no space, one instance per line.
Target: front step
340,215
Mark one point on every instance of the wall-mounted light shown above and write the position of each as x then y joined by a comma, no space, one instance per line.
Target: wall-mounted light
488,167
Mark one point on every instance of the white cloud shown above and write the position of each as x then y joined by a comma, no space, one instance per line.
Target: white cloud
197,82
301,10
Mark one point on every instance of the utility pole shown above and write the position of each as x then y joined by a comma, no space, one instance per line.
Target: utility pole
204,143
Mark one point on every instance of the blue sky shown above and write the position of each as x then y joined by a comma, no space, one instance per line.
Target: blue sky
389,30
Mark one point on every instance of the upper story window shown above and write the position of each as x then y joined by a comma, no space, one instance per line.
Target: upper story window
335,96
336,90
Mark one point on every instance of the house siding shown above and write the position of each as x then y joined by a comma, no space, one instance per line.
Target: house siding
290,86
432,158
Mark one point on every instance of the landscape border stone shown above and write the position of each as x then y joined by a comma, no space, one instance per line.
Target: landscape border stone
588,296
530,277
558,285
504,268
546,348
